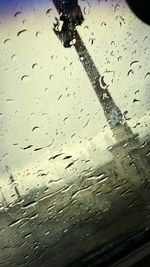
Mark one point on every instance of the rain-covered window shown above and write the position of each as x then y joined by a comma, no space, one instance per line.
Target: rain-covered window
74,132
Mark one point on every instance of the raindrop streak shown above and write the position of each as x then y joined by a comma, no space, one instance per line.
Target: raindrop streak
27,147
59,97
69,165
56,156
67,157
39,148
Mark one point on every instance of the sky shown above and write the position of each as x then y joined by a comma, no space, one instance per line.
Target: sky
47,100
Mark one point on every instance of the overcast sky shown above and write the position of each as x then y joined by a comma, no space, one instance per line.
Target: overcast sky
47,100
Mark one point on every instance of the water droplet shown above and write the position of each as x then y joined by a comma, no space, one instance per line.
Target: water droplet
26,257
34,66
17,13
48,11
27,147
81,59
13,57
37,33
21,32
25,78
69,165
59,97
34,128
6,41
47,233
73,41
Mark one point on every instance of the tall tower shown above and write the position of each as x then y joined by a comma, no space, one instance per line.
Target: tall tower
70,13
112,112
126,141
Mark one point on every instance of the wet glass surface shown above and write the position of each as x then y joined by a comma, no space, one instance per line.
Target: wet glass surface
74,132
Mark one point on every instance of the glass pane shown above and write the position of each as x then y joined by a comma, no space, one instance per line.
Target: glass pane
74,132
